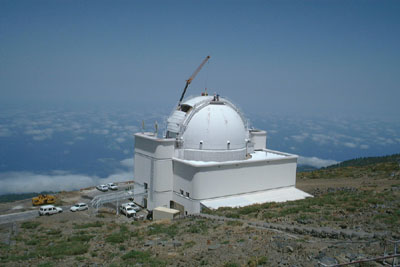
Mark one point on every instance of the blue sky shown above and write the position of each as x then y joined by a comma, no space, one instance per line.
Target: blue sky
78,77
293,57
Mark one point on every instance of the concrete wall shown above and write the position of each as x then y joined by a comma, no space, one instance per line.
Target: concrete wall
258,138
163,214
223,180
153,165
160,199
191,205
152,146
166,176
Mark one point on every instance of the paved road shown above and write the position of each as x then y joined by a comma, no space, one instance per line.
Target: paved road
19,216
23,216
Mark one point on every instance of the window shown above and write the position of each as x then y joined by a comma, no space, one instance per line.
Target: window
181,191
187,194
145,185
185,108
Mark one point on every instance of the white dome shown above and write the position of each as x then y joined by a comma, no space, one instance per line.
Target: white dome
209,130
215,127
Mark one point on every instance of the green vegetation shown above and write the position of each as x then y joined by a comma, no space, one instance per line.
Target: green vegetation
143,257
16,257
54,232
257,261
118,237
395,158
198,226
30,225
234,223
379,170
231,264
360,167
44,248
63,248
325,208
157,229
88,225
81,238
189,244
370,204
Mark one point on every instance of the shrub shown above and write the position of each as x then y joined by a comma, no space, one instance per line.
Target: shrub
116,238
143,257
119,237
257,261
189,244
231,264
249,209
199,226
232,215
54,232
30,225
32,242
156,229
88,225
234,223
81,238
64,248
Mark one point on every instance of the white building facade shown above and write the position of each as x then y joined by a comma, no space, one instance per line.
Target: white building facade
209,158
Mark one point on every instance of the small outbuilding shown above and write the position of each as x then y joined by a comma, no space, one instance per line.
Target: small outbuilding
163,213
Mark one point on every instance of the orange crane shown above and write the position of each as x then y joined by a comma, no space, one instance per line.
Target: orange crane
188,81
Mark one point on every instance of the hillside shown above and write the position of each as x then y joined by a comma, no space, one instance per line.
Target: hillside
354,213
395,158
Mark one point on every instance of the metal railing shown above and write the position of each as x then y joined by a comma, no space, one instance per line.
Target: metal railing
383,259
117,197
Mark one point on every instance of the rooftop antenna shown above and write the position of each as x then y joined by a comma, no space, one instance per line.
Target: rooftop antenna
188,81
156,128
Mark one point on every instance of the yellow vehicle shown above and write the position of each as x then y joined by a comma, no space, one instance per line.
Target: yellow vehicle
43,199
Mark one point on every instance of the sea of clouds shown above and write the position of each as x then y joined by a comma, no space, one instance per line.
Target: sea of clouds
58,149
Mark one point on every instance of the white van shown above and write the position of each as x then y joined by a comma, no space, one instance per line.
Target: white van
127,210
49,209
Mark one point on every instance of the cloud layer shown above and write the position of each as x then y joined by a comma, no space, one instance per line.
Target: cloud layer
316,162
25,182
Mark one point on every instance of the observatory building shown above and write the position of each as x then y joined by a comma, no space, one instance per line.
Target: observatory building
210,158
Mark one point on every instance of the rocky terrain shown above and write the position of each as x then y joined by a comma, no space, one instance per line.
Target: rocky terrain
354,215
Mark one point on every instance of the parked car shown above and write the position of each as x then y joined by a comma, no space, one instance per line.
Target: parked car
127,210
49,210
112,186
134,206
102,187
79,206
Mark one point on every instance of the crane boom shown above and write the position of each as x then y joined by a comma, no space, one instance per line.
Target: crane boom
188,81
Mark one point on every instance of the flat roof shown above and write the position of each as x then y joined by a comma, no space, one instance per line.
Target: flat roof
273,195
166,210
259,155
